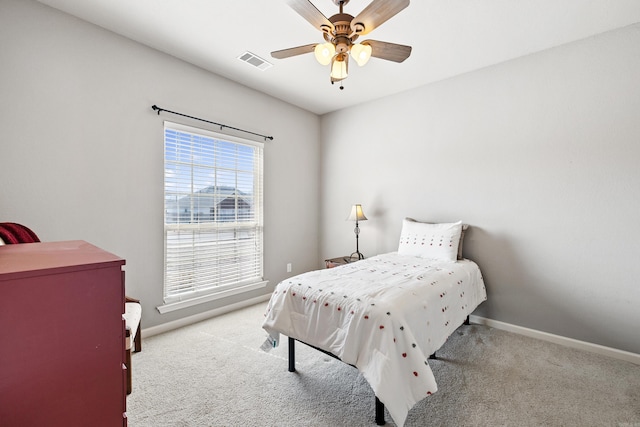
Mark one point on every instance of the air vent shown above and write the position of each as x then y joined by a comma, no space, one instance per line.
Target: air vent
255,60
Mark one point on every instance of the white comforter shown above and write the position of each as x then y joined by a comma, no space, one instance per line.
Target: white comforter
384,314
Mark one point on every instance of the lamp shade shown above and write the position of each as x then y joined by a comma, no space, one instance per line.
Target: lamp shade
340,67
324,52
361,53
356,214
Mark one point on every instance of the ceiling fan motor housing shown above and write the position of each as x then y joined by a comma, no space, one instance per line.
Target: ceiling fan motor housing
342,29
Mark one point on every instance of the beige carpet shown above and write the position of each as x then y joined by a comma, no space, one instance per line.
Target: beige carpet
214,374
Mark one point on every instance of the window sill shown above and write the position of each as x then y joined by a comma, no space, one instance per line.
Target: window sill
167,308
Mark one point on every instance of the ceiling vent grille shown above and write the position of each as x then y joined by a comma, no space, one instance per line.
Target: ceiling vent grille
254,60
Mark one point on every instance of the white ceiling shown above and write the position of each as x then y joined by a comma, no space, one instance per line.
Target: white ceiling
449,37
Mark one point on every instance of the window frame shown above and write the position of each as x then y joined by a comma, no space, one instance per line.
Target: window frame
197,223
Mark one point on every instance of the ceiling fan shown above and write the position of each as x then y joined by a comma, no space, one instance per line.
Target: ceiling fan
341,31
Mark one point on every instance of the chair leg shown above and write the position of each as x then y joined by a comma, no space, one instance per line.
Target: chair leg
128,364
137,341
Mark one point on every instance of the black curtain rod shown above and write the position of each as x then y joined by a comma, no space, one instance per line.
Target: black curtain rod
158,109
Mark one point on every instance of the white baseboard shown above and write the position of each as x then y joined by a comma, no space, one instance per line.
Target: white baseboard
557,339
169,326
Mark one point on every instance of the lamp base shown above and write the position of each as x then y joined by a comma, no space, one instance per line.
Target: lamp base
356,255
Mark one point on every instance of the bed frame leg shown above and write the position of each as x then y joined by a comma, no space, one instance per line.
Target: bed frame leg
433,356
379,412
292,355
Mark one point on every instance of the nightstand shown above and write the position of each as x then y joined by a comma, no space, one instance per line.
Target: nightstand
342,260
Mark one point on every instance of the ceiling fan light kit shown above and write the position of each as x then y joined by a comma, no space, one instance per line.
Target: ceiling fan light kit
361,53
324,52
339,67
340,33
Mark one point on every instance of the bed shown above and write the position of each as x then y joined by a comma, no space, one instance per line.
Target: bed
386,314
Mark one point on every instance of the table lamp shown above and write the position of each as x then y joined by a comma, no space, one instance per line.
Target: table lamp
357,215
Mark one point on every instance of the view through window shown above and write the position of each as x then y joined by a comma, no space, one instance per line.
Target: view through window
212,212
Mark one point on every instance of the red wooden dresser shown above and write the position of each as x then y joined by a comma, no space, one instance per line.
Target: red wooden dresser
61,336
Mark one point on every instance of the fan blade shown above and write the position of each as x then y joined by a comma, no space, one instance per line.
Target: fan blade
293,51
374,15
308,11
389,51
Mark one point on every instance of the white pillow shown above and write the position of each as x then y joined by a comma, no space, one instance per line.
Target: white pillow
435,241
465,227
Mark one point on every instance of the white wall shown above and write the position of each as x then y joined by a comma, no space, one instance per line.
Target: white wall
540,155
81,151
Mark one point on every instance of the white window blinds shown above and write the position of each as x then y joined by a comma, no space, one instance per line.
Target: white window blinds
213,212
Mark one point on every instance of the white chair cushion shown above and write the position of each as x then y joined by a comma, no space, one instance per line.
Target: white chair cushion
132,315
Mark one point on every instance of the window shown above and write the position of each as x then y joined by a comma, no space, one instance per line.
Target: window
212,216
